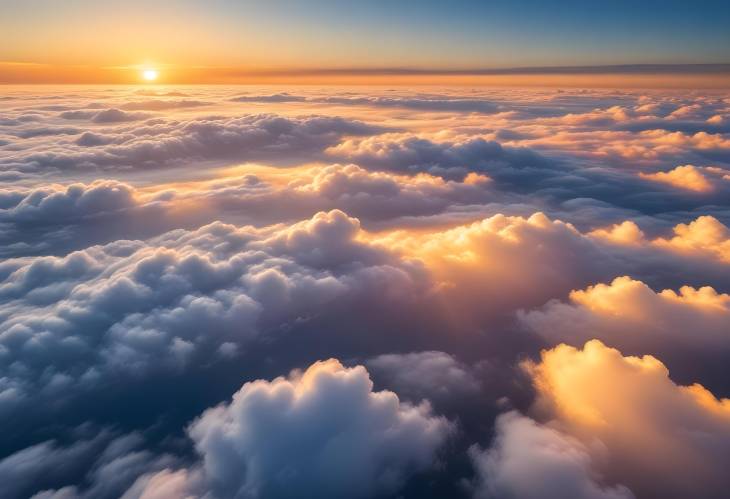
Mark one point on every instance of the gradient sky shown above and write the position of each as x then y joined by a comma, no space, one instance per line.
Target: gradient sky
288,34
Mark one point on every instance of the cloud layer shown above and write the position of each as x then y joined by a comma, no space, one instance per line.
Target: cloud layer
522,292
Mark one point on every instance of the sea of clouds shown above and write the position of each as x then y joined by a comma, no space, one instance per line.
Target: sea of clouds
267,292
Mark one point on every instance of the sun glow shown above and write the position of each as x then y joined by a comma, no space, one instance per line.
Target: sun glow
150,74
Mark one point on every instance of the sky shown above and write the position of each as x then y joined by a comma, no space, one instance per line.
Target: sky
85,41
366,250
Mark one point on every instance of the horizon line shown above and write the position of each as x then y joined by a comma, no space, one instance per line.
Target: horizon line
713,74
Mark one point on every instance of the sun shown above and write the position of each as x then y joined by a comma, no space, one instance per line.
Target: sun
150,74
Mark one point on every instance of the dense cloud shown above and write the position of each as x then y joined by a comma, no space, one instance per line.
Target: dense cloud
426,375
531,461
687,329
108,463
451,159
661,439
53,203
683,177
500,264
323,432
57,218
704,237
135,306
158,142
168,255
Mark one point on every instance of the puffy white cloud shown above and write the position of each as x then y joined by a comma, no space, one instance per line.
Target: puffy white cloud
626,232
531,461
323,433
139,307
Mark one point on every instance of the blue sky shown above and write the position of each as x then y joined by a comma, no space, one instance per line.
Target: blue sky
378,33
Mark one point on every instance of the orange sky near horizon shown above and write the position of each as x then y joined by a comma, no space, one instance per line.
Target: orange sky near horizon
464,42
32,73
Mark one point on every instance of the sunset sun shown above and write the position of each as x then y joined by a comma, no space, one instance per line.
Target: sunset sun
150,74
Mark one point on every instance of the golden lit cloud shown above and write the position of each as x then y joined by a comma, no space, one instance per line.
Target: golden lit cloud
627,232
704,236
661,438
686,328
683,177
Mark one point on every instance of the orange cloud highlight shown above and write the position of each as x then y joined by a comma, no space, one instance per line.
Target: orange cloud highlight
683,177
661,438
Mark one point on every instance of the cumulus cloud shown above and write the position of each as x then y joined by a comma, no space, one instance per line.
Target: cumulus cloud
686,329
531,461
53,202
705,235
323,432
658,438
683,177
494,264
626,233
181,299
161,143
162,485
425,375
53,219
451,159
389,198
493,267
554,183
